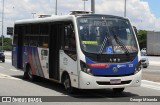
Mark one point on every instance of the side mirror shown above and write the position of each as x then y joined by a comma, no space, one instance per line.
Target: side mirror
135,30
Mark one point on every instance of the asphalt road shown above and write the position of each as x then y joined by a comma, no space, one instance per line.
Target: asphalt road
152,73
12,84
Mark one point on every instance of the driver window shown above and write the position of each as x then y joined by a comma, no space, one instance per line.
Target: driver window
70,43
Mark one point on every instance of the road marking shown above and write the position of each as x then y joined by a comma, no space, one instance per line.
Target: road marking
4,76
157,83
154,63
151,87
150,84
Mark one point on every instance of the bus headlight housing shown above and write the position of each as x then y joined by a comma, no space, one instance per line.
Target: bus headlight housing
84,68
138,67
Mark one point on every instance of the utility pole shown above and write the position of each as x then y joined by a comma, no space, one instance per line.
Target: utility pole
125,8
84,4
56,8
93,6
2,20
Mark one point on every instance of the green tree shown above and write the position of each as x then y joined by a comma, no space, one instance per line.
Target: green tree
142,38
7,43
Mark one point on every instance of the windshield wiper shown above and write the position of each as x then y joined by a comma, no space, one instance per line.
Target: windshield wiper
107,38
121,44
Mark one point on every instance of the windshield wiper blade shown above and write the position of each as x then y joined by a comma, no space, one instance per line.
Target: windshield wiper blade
107,38
121,44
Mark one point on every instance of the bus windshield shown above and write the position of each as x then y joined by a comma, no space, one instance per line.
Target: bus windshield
106,35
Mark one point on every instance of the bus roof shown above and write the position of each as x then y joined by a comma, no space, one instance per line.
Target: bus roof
94,15
46,19
60,18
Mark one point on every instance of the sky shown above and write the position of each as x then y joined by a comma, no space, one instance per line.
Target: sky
154,7
144,14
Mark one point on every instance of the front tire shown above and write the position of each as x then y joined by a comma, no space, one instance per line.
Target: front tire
28,74
67,85
118,90
25,75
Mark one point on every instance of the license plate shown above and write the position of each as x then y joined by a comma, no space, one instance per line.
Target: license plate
115,81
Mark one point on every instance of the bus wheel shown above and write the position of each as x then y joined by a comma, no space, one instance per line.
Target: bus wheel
30,75
67,84
25,75
118,90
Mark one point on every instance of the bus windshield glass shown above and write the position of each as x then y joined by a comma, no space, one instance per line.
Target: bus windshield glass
106,35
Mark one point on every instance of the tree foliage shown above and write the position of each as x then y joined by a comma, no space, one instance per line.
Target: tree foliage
142,38
7,43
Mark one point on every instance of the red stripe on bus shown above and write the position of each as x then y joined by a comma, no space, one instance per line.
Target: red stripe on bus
99,65
31,62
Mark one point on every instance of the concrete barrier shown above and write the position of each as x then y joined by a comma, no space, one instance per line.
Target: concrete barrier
8,53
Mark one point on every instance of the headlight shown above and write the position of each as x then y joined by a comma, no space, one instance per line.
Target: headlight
87,68
84,68
138,67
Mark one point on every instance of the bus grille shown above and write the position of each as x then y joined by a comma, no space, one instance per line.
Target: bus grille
108,83
114,75
111,58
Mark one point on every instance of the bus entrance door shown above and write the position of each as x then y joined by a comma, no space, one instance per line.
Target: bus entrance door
54,47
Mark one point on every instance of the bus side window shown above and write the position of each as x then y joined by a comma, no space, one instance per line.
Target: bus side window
70,43
73,41
44,52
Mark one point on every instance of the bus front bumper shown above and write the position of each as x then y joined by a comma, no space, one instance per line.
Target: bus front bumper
92,82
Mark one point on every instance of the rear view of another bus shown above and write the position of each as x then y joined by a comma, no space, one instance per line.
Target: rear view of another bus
109,53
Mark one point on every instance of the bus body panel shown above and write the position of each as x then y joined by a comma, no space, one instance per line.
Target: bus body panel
43,56
122,68
88,81
17,56
33,57
14,56
70,66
